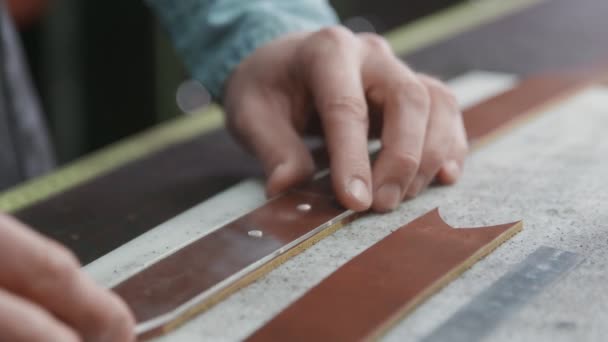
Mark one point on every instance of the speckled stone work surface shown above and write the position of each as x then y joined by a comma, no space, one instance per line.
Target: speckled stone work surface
551,173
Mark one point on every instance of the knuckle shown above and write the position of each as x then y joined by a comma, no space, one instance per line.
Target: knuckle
41,328
406,161
455,140
60,265
336,35
414,94
346,108
108,319
432,160
451,100
461,145
440,92
59,270
416,90
464,149
376,42
238,121
235,122
114,321
8,222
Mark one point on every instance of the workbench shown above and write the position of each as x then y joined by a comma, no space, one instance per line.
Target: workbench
129,205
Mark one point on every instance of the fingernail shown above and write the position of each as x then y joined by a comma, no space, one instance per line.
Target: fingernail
359,191
389,195
416,186
452,169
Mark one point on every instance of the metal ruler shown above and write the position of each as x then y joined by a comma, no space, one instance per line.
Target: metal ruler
506,296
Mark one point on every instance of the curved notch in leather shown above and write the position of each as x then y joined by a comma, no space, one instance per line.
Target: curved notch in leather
433,218
372,291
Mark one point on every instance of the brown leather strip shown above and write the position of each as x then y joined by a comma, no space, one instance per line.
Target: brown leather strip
169,292
199,266
491,117
373,290
234,250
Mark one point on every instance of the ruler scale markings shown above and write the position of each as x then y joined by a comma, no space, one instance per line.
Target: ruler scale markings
510,293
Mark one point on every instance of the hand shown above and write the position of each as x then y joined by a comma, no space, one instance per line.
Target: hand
45,297
352,81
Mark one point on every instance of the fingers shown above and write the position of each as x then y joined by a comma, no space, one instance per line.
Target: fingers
265,129
445,145
405,104
422,133
333,68
22,321
403,136
451,170
38,269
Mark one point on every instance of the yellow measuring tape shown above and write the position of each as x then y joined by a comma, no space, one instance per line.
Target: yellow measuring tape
409,38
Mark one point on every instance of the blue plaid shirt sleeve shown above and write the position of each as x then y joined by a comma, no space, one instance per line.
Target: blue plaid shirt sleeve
214,36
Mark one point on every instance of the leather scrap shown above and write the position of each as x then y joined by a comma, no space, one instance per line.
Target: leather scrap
363,298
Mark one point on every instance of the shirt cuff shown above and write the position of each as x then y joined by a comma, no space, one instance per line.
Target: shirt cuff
213,73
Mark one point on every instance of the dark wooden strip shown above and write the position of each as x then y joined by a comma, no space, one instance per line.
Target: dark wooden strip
373,290
100,215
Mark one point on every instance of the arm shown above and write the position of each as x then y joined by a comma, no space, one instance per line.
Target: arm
214,36
279,67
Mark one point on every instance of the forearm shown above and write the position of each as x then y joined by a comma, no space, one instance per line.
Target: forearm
213,36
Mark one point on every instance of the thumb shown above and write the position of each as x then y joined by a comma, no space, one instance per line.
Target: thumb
271,136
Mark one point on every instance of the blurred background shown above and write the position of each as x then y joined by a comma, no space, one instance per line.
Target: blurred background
106,70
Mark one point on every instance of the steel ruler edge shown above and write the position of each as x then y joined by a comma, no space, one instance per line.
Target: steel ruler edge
481,315
404,40
562,88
